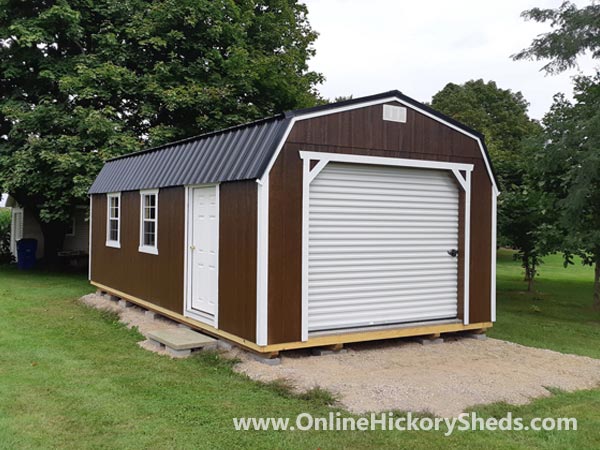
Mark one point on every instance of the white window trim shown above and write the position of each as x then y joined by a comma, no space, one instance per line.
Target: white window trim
109,241
150,249
309,174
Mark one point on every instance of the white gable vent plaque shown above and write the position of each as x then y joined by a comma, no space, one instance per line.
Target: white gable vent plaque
394,113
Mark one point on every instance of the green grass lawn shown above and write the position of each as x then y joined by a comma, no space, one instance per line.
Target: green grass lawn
73,377
558,315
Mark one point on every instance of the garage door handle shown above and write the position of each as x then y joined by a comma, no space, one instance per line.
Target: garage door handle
453,253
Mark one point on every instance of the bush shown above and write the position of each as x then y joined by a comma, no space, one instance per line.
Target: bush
5,219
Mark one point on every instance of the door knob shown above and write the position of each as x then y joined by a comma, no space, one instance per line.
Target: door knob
453,253
192,247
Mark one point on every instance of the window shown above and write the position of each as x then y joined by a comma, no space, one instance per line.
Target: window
71,228
149,222
113,223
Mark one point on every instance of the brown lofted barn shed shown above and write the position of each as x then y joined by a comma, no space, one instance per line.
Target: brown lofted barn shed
367,219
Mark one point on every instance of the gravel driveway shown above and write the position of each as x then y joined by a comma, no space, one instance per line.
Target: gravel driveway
442,379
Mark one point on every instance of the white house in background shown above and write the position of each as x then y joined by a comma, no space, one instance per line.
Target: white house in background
25,225
3,198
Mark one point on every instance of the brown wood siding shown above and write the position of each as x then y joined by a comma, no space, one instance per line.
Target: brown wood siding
362,131
155,278
237,258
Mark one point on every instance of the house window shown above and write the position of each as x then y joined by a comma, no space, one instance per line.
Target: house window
149,222
71,228
113,225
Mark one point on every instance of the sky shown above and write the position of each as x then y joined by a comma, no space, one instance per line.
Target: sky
371,46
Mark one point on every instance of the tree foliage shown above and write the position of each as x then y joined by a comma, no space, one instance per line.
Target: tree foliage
575,31
511,136
5,220
82,81
568,166
568,170
500,114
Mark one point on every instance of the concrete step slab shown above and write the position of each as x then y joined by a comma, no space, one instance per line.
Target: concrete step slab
182,339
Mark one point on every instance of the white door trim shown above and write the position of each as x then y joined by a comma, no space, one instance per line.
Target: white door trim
323,158
188,311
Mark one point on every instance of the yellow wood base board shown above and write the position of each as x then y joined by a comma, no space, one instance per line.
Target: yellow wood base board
315,341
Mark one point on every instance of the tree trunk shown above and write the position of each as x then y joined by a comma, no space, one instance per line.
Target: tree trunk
597,284
530,284
530,270
525,264
54,238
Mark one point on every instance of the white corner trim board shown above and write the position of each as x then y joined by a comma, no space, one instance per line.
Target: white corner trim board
462,173
90,240
494,247
262,261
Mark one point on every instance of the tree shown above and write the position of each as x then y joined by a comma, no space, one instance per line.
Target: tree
341,98
569,168
569,164
83,81
575,31
511,136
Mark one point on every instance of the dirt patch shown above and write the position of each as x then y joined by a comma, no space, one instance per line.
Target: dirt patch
442,379
132,317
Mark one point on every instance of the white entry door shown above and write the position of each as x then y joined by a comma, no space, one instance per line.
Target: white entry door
203,254
382,244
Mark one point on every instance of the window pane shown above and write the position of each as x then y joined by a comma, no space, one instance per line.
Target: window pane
114,230
149,240
71,227
149,227
149,237
113,207
149,200
150,213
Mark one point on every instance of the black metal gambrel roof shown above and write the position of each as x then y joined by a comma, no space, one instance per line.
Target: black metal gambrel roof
237,153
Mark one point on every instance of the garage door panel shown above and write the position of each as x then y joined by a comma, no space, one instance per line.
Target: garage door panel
378,242
331,322
391,296
372,290
320,267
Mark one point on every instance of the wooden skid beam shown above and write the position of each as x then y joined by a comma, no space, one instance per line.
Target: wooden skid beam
337,340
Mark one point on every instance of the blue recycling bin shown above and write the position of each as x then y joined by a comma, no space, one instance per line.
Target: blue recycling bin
26,250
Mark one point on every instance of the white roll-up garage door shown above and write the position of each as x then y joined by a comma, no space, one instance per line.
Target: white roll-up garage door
378,246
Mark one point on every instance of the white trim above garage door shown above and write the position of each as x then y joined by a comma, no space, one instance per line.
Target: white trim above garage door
377,233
